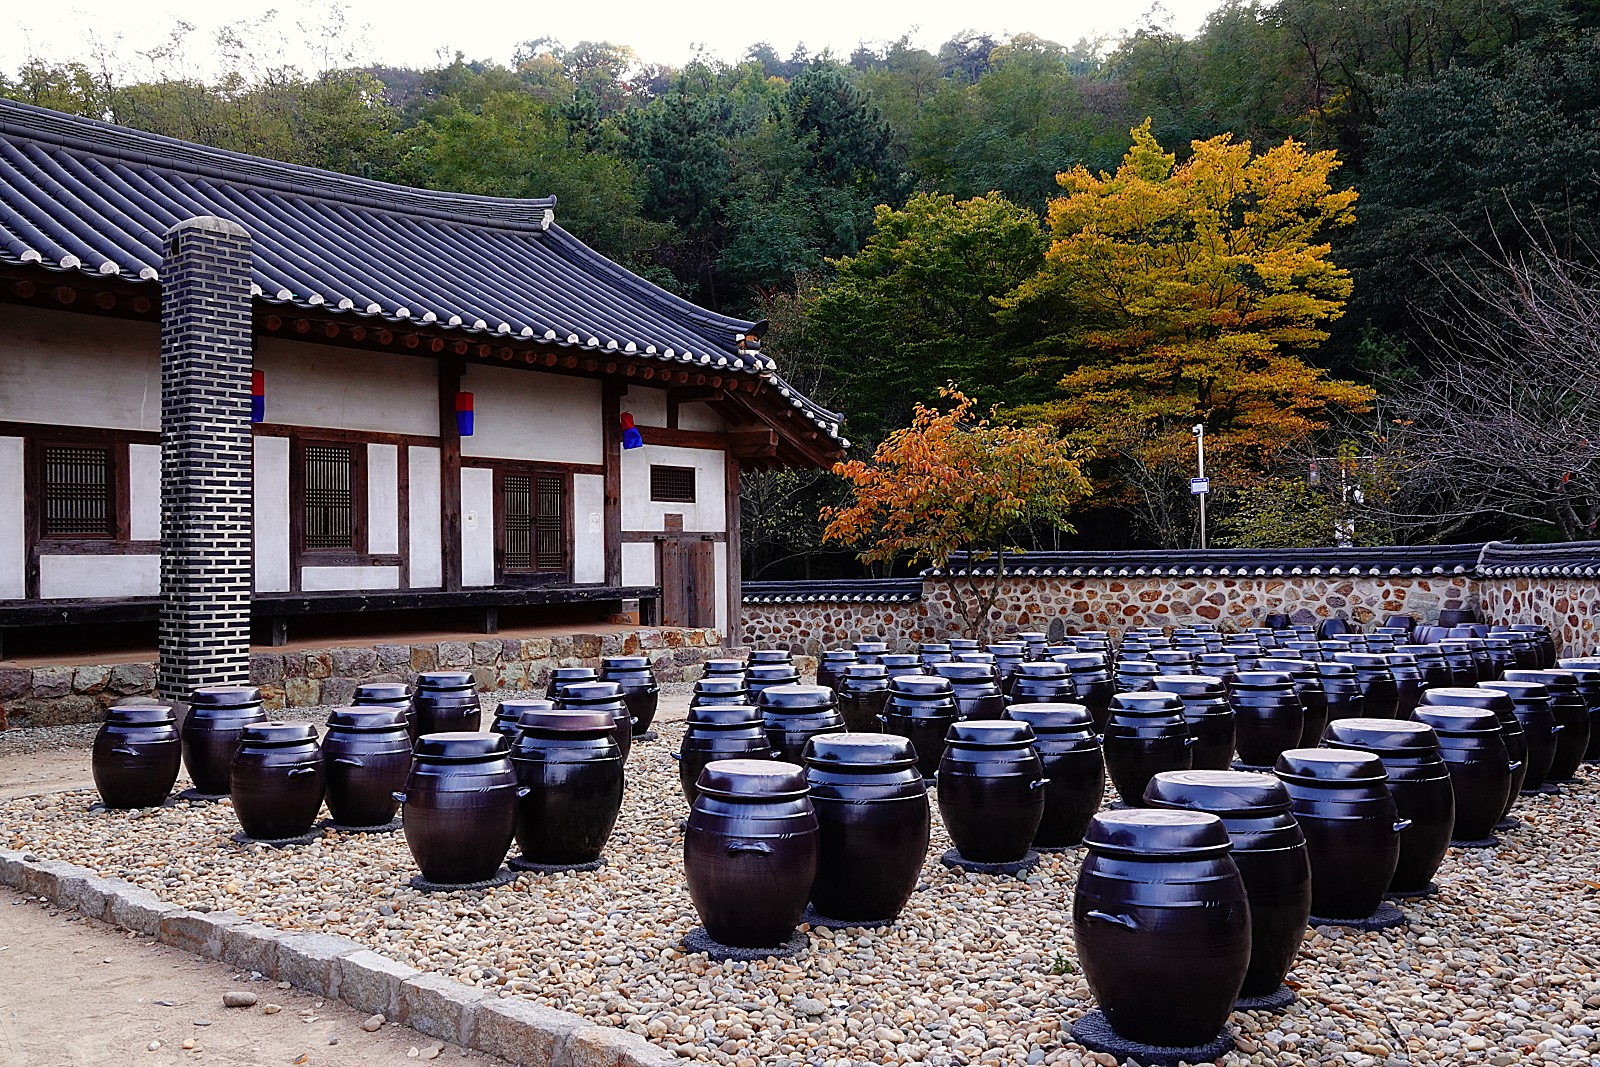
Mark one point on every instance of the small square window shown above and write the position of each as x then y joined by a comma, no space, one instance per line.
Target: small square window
78,488
329,496
672,485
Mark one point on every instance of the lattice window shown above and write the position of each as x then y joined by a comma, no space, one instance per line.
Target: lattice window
329,497
78,488
674,485
535,533
517,509
550,530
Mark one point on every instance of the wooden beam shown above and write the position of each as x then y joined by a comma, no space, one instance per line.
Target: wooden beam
450,374
760,441
611,394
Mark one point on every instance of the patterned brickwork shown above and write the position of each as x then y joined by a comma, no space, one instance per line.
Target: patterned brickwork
204,630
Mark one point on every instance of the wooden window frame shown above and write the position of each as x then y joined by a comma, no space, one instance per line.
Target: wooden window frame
694,484
357,555
534,470
119,492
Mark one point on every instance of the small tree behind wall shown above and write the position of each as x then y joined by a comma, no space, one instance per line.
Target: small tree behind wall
955,482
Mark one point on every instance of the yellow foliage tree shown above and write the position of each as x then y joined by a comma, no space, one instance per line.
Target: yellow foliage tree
1188,293
952,482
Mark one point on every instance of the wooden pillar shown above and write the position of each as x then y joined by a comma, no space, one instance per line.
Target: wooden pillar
611,394
735,635
450,374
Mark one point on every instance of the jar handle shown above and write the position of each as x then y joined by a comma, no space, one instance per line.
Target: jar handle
1557,728
1514,765
348,761
736,847
296,772
1401,824
1115,920
401,797
1191,739
1040,784
123,752
523,791
676,755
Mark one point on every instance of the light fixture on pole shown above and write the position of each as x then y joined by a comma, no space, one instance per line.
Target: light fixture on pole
1200,486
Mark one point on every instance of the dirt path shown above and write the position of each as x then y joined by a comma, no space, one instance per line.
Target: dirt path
77,992
49,771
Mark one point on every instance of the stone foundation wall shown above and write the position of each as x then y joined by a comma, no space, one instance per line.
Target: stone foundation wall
49,696
1569,606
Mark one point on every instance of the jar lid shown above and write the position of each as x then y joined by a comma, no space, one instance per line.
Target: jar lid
1330,765
1384,735
933,646
1081,662
1336,670
797,697
974,657
1460,697
387,692
866,670
278,734
225,696
588,693
141,715
514,707
721,685
1155,832
626,663
870,647
838,655
367,720
990,733
1452,721
725,715
1051,716
888,751
1218,659
777,673
1399,659
1037,669
1548,679
769,656
1360,659
1191,685
965,672
1525,692
568,720
752,778
1263,680
725,666
1148,703
445,680
920,685
963,643
1219,792
459,746
573,674
896,662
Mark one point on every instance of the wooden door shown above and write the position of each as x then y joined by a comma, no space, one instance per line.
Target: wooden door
688,582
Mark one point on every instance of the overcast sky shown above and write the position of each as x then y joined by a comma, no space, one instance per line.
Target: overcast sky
404,32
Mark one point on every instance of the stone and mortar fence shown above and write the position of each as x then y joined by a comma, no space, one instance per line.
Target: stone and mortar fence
50,696
1558,585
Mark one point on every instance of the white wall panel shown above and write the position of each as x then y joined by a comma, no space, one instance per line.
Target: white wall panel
70,577
477,526
328,579
700,417
588,528
144,492
271,511
533,416
720,568
66,369
348,388
13,535
638,564
647,406
423,503
707,514
383,499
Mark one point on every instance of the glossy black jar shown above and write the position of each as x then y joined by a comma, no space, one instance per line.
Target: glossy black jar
561,677
1588,682
1341,801
1463,666
831,666
1409,681
1161,922
1571,713
1145,735
640,690
445,702
750,851
1209,715
1267,716
1136,675
1516,743
763,676
723,668
1091,680
1342,691
862,692
1380,693
719,689
901,663
1419,782
1270,852
395,695
460,806
1044,682
570,772
1308,687
1543,640
1172,660
509,711
931,652
991,787
1008,656
1502,649
976,688
1223,666
277,784
794,714
768,656
366,755
719,732
874,822
921,708
218,715
1531,704
137,753
869,651
1074,769
601,696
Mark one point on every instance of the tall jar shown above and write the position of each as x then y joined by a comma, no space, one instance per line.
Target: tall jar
921,708
1532,706
569,769
1221,665
396,695
1074,770
976,688
1419,782
1145,735
1436,673
1136,675
1343,691
1042,683
1091,679
719,689
862,692
218,716
1463,668
831,666
277,784
794,714
445,702
1587,680
931,652
602,697
1008,656
640,690
561,677
991,787
137,752
460,806
1379,691
1571,713
1409,682
1308,687
366,756
717,733
1516,742
1474,752
1341,801
1209,715
1267,716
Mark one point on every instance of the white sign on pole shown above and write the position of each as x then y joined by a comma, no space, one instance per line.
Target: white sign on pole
1199,485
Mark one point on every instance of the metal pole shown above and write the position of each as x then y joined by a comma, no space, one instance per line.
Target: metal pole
1200,448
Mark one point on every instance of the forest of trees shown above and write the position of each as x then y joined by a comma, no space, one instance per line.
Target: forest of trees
1394,315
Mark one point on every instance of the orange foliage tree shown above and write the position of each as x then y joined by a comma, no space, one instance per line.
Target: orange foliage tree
955,482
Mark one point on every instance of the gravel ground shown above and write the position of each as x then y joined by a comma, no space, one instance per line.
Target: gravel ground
1502,967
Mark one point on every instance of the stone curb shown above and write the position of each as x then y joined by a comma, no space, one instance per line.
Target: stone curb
513,1028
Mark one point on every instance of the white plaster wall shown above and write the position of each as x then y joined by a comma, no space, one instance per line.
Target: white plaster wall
66,369
383,498
638,563
647,406
533,416
348,388
700,417
13,536
144,492
325,579
588,528
477,526
426,556
707,514
719,567
67,577
272,514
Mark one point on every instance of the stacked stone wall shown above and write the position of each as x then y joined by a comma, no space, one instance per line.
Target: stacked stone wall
1569,606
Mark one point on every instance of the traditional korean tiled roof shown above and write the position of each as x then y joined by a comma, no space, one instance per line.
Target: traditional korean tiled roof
838,591
81,196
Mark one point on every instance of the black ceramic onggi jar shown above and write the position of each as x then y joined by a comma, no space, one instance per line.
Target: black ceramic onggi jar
1419,782
1136,675
831,666
874,822
760,677
460,806
719,689
445,701
366,755
1161,922
1074,769
1571,713
723,668
1342,691
1145,735
218,715
869,651
901,663
570,772
976,688
862,692
1409,681
1436,673
1463,666
1271,854
1008,656
137,752
395,695
1588,682
991,787
601,696
921,708
1267,716
640,690
1209,715
750,851
794,714
1532,706
1091,679
1516,743
931,652
561,677
1042,683
1341,801
1308,687
1220,665
277,782
509,712
1379,691
768,656
718,732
